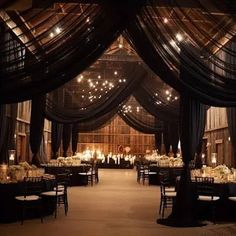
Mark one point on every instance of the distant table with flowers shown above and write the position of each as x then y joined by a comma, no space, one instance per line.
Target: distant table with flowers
224,186
75,178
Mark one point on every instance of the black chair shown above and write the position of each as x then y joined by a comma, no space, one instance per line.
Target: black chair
87,175
95,177
31,197
140,172
59,193
168,194
206,193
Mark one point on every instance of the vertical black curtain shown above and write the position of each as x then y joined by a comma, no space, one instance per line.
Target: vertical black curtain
231,117
7,130
66,137
173,133
75,137
158,141
191,125
3,121
166,138
56,138
201,130
37,127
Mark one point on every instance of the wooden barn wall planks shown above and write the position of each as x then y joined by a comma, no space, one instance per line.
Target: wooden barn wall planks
216,138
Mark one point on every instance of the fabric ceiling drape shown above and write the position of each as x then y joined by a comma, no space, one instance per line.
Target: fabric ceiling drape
63,57
74,113
152,41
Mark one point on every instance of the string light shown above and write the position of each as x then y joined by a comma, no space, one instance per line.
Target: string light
51,35
58,30
179,37
165,20
115,72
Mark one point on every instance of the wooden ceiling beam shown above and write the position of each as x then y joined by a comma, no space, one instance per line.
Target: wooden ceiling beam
229,5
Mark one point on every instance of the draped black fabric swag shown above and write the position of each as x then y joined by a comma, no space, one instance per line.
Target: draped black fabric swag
56,138
69,53
148,39
56,111
137,124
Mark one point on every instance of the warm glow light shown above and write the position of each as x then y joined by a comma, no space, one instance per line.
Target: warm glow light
168,98
99,77
124,80
120,45
87,20
176,98
120,80
179,37
167,92
165,20
58,30
51,34
115,72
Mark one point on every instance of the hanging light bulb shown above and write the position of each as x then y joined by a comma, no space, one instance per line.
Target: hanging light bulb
58,30
165,20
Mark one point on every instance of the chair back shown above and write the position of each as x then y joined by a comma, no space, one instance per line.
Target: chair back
204,186
32,186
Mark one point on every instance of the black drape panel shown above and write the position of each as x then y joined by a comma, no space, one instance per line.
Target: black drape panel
173,134
191,125
158,141
7,131
231,117
166,138
37,127
56,138
201,130
75,139
3,127
66,138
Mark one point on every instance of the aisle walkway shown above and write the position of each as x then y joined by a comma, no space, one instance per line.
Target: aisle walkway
117,206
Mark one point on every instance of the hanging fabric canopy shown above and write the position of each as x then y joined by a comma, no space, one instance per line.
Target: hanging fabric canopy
138,118
159,45
109,99
78,41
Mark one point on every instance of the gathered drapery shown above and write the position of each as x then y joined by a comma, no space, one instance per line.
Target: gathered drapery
63,57
191,126
74,113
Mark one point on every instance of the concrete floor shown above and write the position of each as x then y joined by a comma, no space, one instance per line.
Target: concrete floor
118,205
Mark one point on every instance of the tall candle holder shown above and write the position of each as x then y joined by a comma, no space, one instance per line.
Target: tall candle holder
12,155
214,159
